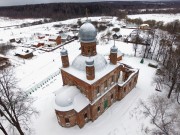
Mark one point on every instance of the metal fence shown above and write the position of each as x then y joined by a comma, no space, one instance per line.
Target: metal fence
43,83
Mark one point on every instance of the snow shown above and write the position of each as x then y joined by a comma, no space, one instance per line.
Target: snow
23,51
158,17
98,74
68,98
44,69
79,62
53,37
5,21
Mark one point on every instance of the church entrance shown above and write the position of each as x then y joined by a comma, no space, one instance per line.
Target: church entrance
105,104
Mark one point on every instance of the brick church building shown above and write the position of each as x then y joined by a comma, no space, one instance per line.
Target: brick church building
91,84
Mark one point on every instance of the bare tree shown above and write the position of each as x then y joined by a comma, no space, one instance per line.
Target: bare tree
170,73
136,39
15,107
163,114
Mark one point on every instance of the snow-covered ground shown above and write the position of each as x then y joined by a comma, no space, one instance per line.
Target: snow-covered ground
5,21
158,17
119,119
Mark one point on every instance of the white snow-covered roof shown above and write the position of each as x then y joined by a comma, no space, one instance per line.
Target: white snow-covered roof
145,25
23,51
69,98
81,74
53,37
79,62
49,43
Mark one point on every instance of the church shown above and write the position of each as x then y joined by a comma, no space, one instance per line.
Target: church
91,84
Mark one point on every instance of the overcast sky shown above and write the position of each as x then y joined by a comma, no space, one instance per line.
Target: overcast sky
24,2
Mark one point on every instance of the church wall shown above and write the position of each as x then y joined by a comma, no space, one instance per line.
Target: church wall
104,84
66,119
83,116
127,87
88,49
103,103
81,85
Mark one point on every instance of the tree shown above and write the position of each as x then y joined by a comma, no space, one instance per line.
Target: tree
163,114
136,39
15,107
170,73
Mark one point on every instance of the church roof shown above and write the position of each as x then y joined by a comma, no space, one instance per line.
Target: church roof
87,33
81,73
69,98
79,62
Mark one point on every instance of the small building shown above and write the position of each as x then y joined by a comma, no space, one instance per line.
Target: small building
65,37
18,41
56,39
41,36
12,40
50,44
144,26
24,53
38,44
117,35
4,62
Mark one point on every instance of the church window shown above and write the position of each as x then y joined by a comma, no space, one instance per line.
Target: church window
112,79
98,92
105,85
112,96
85,116
67,121
99,109
124,89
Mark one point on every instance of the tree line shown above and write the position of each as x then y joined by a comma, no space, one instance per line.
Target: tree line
61,11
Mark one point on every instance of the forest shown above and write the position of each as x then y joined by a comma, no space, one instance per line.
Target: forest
61,11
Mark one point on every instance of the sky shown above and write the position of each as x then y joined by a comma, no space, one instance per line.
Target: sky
24,2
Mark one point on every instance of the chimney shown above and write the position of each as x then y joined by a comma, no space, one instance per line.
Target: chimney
64,58
90,71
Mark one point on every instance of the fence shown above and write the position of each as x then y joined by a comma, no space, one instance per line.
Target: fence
42,83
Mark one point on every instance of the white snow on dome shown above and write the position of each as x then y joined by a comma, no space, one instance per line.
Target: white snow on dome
79,62
87,33
68,98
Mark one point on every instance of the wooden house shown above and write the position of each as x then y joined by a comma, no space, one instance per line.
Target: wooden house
56,39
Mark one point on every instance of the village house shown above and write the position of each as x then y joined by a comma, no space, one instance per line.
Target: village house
24,53
4,62
56,39
38,44
91,84
144,27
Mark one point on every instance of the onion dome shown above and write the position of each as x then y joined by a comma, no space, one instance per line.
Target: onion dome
64,52
87,33
66,97
99,62
114,49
